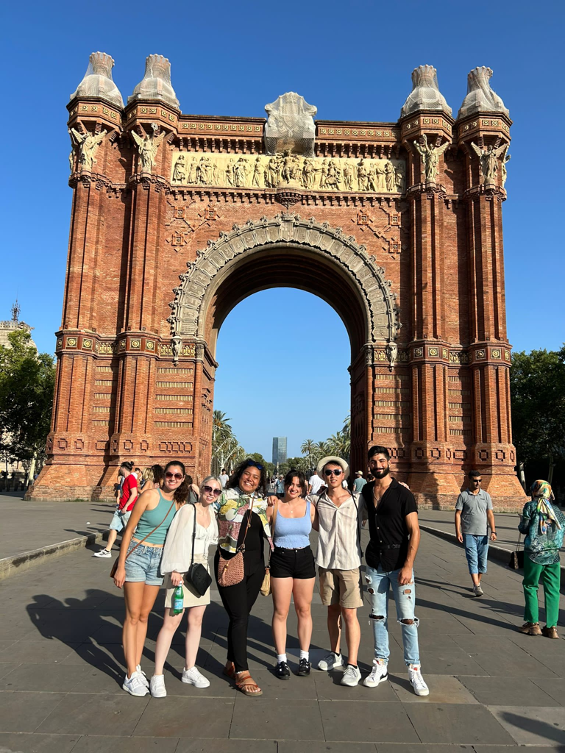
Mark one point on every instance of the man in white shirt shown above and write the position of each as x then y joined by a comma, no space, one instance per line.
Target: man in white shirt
338,559
315,483
224,478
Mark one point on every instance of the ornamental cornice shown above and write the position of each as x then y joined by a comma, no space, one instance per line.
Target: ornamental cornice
189,312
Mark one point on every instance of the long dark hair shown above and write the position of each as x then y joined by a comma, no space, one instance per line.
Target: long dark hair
234,480
290,475
182,492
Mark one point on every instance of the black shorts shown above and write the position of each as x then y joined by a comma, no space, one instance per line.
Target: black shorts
295,564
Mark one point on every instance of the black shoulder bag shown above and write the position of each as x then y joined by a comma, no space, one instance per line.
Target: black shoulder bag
197,575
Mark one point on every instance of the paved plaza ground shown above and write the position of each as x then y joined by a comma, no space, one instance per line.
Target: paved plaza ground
61,667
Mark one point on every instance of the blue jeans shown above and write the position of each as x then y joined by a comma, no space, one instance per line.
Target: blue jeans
378,582
476,552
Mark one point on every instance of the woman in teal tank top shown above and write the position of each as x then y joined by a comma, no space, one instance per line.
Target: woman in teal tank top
138,572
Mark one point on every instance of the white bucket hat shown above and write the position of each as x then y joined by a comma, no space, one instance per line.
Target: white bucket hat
332,459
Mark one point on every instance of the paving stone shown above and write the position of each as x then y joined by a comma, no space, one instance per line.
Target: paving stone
504,664
40,742
360,721
220,686
456,724
452,749
518,749
328,687
554,687
318,747
95,714
444,689
34,677
536,726
227,745
198,718
125,744
295,720
24,711
7,667
38,651
509,690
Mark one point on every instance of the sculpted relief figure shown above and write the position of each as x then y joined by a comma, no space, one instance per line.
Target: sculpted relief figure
488,160
273,172
389,171
257,174
309,173
504,160
204,172
348,173
192,177
179,172
430,156
240,172
87,145
333,176
148,146
362,175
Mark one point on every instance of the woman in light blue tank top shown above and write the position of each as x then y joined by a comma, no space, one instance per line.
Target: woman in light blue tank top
292,570
138,564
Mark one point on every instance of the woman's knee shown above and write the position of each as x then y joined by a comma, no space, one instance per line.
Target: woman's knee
303,611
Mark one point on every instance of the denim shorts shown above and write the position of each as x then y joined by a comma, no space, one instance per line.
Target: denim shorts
143,565
120,520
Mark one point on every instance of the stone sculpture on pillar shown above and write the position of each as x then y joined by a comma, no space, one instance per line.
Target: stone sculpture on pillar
290,125
425,94
148,146
480,97
488,157
97,81
87,145
504,160
156,83
430,156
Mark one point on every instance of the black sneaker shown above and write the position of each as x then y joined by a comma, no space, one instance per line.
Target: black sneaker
304,667
282,671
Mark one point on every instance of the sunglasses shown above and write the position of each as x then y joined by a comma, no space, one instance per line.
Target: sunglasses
170,475
336,472
253,463
211,490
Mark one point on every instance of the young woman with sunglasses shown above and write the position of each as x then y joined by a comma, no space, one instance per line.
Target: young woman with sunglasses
139,573
177,557
242,519
292,570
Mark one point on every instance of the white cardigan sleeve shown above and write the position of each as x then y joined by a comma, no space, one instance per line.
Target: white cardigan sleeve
177,548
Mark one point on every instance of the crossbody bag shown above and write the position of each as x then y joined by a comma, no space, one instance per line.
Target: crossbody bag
197,575
231,570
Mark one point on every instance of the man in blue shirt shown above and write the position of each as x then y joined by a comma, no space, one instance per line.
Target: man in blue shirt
474,510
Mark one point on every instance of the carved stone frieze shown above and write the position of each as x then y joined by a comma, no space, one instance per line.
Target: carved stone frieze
279,171
188,313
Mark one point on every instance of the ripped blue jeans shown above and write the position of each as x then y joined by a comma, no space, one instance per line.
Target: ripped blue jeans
378,582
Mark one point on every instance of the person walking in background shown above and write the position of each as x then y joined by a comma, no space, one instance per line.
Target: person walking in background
242,526
292,570
474,511
128,497
152,477
315,483
139,562
224,478
338,559
543,523
185,545
280,485
390,555
359,482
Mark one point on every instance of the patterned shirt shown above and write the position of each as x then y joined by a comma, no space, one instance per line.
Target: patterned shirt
542,548
230,509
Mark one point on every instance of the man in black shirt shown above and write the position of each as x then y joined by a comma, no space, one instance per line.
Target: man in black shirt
394,541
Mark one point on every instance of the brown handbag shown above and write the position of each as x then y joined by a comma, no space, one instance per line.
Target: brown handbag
115,564
231,570
265,588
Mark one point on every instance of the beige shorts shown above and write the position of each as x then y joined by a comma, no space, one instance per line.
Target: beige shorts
191,597
340,587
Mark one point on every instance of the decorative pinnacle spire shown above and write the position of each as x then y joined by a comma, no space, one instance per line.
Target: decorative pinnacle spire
156,83
15,311
97,81
480,97
425,94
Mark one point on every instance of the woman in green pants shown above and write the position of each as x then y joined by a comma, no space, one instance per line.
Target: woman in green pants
543,523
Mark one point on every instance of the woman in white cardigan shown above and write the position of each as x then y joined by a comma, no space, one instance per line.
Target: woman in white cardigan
177,554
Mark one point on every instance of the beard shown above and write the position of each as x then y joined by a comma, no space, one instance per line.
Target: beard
380,473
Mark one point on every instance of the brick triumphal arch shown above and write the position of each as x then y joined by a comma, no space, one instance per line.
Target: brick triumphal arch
177,218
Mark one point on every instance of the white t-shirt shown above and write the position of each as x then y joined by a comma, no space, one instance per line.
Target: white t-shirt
315,483
224,480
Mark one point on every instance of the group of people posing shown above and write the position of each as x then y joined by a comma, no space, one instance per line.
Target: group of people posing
168,529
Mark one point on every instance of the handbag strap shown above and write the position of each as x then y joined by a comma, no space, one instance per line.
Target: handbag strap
151,532
194,535
273,518
241,548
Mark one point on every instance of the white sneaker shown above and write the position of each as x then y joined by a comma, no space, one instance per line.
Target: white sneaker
157,686
417,681
331,661
144,677
351,677
135,685
378,674
195,678
478,591
102,554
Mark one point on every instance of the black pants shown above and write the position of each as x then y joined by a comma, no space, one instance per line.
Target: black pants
238,601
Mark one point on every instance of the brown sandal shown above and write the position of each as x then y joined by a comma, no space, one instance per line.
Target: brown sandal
229,670
244,683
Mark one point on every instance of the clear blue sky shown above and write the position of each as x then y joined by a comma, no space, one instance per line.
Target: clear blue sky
353,61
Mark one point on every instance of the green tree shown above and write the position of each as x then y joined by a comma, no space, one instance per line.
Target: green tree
27,381
537,406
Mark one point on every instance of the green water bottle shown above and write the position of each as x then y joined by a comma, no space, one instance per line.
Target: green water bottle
178,599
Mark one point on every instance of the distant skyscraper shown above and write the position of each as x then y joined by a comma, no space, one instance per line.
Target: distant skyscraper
279,450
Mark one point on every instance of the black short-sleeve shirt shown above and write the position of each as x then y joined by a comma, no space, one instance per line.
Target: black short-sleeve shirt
387,525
